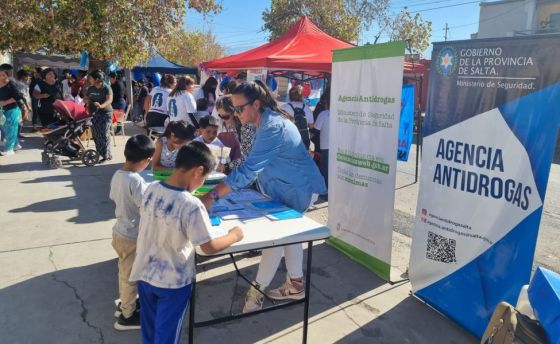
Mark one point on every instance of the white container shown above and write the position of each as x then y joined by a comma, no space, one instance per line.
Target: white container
523,304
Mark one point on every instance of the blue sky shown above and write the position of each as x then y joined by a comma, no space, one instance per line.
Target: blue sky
238,26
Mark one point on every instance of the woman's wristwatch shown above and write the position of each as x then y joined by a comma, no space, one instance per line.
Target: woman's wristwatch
214,195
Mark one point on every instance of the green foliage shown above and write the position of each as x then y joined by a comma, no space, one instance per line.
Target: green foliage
190,47
415,30
119,30
344,19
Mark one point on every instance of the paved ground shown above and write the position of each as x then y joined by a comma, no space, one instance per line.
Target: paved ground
58,275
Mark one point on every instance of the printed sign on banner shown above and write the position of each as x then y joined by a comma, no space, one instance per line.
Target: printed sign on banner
406,122
364,121
257,74
489,136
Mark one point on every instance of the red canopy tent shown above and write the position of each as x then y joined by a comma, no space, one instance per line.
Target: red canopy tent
304,48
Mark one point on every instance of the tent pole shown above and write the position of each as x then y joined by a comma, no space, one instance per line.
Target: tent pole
128,86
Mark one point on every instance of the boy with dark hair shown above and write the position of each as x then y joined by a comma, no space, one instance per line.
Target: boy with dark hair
208,131
172,223
127,189
209,136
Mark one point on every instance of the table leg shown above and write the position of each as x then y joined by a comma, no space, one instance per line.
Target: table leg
307,290
191,308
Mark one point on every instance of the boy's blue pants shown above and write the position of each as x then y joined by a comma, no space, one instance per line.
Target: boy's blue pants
162,312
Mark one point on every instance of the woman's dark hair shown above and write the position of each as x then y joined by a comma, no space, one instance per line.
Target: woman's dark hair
167,81
230,86
201,104
257,90
6,68
113,75
138,148
181,130
97,75
22,73
182,84
193,155
226,104
47,71
210,87
324,102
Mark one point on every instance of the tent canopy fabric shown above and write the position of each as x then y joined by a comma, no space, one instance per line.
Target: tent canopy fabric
158,64
53,61
304,47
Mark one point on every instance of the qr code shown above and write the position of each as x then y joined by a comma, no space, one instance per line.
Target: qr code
440,248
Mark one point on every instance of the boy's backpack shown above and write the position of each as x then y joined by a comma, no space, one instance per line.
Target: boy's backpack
301,123
508,326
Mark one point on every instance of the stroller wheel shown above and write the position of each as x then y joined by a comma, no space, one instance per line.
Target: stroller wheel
55,162
90,157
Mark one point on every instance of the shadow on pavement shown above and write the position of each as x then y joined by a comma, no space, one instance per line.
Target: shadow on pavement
76,305
88,184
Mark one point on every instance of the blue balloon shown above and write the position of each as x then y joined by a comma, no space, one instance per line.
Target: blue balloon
137,75
156,79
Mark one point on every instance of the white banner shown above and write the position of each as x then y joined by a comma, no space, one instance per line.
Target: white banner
364,121
257,74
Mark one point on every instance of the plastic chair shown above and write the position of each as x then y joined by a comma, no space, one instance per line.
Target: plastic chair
119,118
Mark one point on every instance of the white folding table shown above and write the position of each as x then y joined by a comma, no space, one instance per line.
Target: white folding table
262,233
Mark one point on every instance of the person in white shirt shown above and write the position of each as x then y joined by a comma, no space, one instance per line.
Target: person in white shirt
322,124
181,105
66,85
172,223
209,136
127,189
155,104
208,92
296,102
301,113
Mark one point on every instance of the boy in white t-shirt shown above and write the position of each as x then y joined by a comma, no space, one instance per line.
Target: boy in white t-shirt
127,189
172,223
209,136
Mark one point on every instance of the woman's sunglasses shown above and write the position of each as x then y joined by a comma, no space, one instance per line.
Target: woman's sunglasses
239,109
224,117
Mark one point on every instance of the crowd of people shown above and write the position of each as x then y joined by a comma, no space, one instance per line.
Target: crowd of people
159,225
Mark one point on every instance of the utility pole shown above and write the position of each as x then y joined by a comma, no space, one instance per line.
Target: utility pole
446,30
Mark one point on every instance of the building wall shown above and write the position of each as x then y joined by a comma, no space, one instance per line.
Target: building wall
544,11
503,18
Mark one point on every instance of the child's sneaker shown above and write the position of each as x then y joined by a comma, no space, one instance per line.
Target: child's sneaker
291,289
130,323
253,300
5,153
118,310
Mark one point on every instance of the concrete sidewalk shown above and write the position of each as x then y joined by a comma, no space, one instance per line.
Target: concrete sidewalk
59,272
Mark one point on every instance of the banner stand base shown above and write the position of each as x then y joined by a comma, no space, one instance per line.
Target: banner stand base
375,265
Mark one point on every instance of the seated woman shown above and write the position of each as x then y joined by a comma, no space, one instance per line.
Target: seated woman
176,135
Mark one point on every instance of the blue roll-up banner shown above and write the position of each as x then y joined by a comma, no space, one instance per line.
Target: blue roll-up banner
406,122
489,137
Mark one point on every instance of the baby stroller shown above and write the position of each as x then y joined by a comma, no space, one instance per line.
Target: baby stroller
63,139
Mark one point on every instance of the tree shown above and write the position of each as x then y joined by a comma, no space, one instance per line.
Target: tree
415,30
344,19
126,31
190,47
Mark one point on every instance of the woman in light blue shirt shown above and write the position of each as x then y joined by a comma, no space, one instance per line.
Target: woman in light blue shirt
284,170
